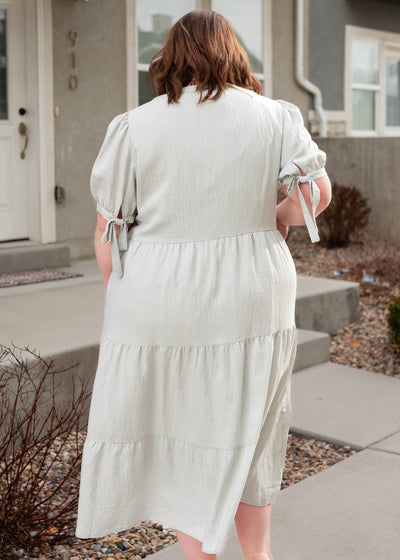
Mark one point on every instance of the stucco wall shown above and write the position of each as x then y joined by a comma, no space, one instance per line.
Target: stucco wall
327,40
85,112
370,164
283,37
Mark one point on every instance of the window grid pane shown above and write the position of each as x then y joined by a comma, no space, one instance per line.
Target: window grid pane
363,109
146,91
365,61
154,20
392,92
246,20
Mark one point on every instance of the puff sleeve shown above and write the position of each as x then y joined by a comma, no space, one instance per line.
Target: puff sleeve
113,185
299,151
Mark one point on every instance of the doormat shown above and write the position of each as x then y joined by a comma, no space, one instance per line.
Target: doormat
34,277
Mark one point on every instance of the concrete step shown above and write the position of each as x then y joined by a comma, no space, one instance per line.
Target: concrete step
63,319
346,405
325,304
18,256
312,349
60,334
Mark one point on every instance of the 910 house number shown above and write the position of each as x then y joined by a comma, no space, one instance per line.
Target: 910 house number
73,78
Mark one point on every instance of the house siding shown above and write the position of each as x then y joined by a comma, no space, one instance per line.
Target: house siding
85,112
327,21
284,84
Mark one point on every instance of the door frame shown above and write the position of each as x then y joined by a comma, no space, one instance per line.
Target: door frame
40,103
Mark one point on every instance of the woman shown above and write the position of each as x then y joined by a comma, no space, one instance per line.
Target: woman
191,406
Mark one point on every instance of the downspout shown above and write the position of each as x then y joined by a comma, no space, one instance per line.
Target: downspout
299,68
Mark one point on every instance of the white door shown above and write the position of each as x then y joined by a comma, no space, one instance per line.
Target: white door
14,123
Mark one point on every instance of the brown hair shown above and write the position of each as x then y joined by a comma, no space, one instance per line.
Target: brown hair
201,46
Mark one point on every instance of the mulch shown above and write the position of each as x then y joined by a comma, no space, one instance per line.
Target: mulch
365,344
375,265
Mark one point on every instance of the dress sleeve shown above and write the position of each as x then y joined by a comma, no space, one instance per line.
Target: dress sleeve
299,151
113,185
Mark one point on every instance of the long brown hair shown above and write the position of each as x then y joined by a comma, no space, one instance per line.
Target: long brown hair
201,47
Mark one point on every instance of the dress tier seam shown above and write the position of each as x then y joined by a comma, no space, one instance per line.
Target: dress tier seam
132,239
240,341
189,443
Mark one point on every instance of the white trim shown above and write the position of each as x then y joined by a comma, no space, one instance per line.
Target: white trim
131,57
389,46
32,161
268,45
365,133
387,37
45,121
331,116
347,72
370,87
392,131
392,45
380,95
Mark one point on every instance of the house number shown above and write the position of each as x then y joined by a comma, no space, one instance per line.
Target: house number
73,78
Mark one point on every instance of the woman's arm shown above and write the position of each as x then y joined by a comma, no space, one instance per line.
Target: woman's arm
103,252
289,212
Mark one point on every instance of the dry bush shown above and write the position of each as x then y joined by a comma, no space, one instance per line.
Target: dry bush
36,495
347,213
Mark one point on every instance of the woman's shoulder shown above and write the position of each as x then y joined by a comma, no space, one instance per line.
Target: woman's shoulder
257,97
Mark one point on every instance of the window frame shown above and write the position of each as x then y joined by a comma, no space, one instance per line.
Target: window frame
389,48
134,66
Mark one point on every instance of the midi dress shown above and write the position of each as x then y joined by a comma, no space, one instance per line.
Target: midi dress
191,405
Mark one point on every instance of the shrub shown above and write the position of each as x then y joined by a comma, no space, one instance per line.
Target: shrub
347,213
393,320
33,435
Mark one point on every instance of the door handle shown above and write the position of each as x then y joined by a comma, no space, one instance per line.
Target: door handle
22,129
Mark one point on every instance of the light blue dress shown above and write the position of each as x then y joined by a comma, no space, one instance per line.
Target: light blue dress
191,406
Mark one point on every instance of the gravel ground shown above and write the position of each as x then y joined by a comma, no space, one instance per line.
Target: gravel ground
304,458
375,264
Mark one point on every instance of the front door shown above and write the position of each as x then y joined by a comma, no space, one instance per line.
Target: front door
15,141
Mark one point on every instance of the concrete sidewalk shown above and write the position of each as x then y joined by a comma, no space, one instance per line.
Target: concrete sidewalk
350,511
70,311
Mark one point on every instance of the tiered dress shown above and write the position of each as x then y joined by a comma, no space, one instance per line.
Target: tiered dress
191,404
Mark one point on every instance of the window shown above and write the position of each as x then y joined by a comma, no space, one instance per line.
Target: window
154,18
393,90
373,82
